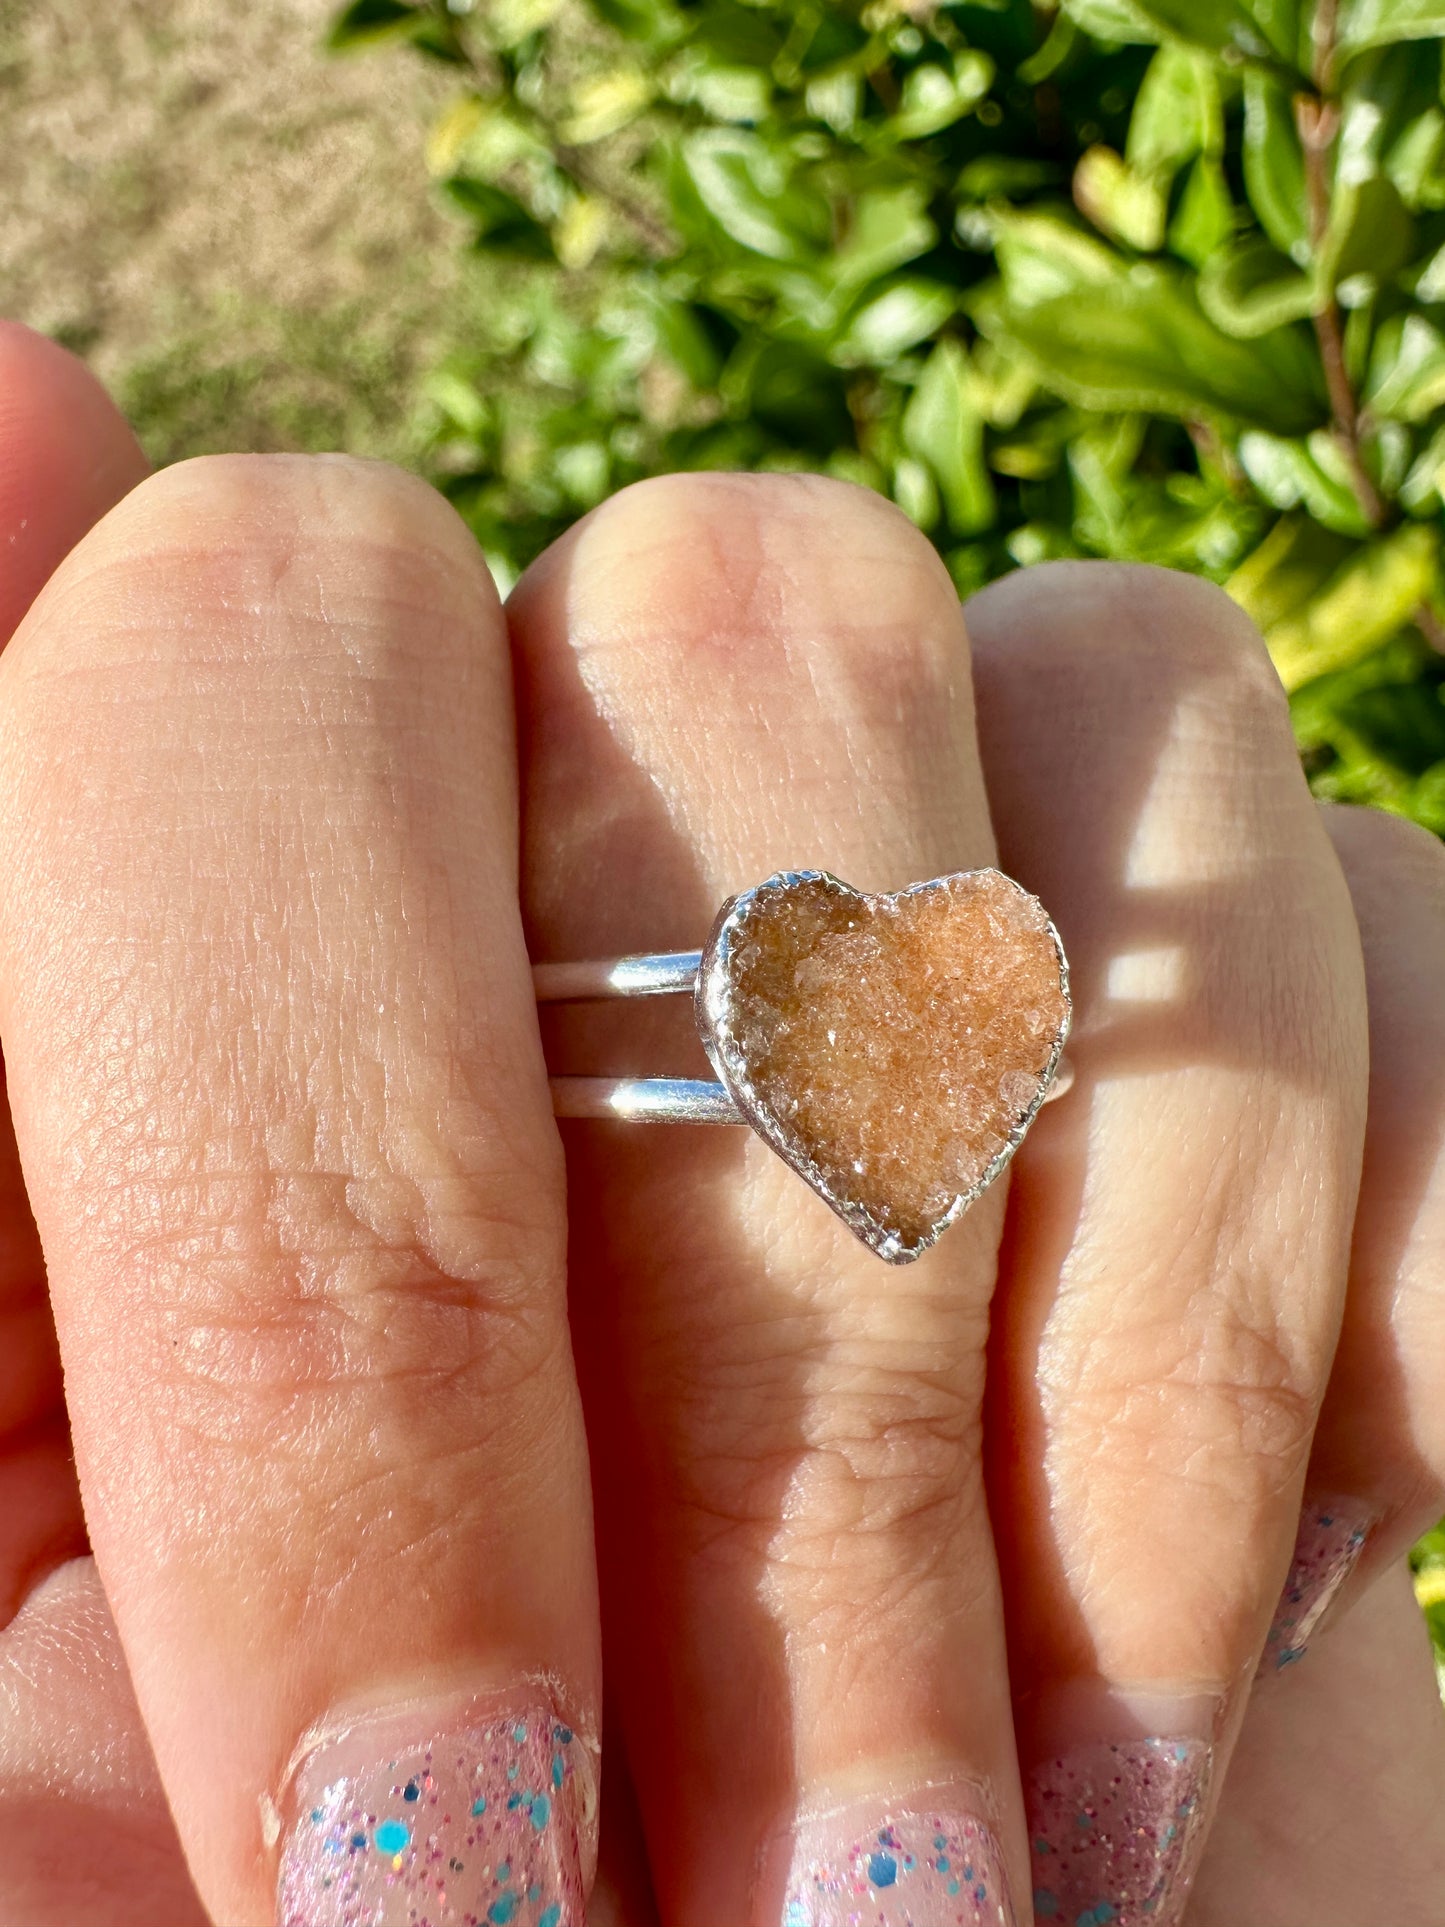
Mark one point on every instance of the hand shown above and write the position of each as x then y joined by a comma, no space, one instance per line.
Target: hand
278,1090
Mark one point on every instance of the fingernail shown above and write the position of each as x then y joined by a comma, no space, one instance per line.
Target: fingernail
404,1822
1332,1535
911,1864
1116,1831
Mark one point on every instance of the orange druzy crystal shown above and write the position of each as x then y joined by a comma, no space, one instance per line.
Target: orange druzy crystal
893,1048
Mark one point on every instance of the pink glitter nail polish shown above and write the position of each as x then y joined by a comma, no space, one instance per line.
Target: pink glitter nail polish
1332,1535
1116,1831
480,1826
901,1866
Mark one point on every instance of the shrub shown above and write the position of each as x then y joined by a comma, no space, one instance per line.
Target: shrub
1159,280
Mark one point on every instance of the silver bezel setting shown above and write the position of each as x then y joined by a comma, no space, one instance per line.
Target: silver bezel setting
714,1010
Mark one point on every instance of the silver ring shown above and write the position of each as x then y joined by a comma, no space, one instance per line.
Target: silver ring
892,1049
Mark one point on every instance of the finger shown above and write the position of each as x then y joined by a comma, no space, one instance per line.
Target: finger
1331,1814
89,1840
284,1119
1179,1231
723,677
1377,1469
66,457
622,1895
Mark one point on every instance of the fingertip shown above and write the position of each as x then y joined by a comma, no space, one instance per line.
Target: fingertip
67,455
1368,840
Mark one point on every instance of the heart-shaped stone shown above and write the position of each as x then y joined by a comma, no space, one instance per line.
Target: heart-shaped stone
893,1049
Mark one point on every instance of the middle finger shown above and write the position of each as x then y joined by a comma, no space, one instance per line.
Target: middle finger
723,677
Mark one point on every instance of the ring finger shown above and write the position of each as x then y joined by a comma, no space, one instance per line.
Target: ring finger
1180,1229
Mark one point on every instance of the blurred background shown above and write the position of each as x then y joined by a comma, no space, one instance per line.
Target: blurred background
1157,280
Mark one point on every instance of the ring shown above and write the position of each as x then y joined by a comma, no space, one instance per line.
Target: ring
892,1049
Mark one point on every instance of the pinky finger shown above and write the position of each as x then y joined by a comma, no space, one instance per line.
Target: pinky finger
1377,1469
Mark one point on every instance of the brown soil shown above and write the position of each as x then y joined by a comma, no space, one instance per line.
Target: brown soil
233,225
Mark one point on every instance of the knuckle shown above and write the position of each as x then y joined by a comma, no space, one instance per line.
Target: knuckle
1223,1401
234,560
848,1496
290,1309
1176,632
775,565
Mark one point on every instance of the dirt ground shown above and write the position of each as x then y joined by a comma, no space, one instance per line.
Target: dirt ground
233,225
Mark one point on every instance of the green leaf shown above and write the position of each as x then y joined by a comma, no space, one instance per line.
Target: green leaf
1423,490
603,104
502,225
1403,725
746,187
887,227
943,426
1414,161
1124,203
1407,369
1176,114
1370,234
1391,122
1363,604
1221,26
368,23
1110,336
685,337
1287,570
1043,257
656,21
1281,22
1274,168
1249,289
510,22
1288,473
1118,22
727,93
789,391
899,318
1375,23
934,97
459,401
1005,177
1205,219
915,491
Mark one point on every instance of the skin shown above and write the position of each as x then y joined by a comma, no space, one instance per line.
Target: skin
259,807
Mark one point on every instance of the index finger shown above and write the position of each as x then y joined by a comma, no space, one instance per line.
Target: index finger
66,456
286,1127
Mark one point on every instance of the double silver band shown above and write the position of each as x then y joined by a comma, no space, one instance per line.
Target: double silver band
632,1100
650,1100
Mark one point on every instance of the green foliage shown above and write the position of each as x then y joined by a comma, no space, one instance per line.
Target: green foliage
1158,280
1428,1561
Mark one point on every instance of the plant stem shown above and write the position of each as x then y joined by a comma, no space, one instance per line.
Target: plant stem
1318,123
1324,31
1431,627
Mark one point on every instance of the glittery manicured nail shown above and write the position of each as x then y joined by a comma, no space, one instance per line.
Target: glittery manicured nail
1332,1535
906,1865
1116,1831
479,1825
